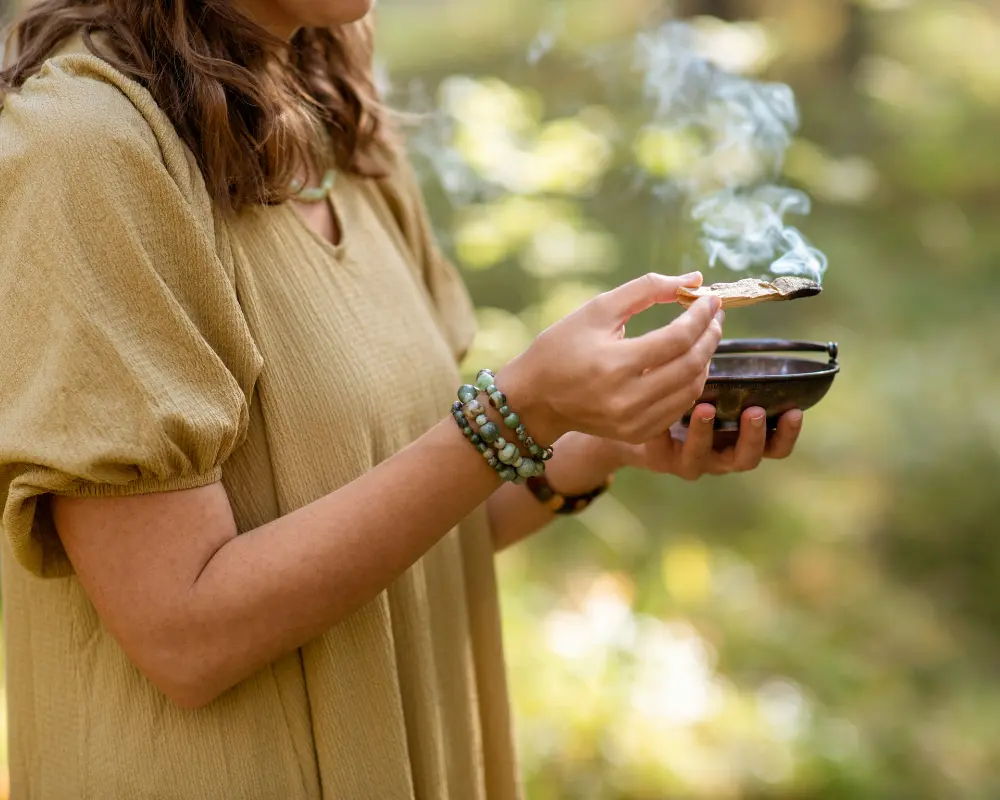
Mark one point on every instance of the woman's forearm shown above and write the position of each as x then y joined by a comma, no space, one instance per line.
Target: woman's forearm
581,463
272,589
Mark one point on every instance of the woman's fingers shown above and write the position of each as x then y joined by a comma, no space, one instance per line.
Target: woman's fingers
663,395
696,453
646,404
753,439
616,306
672,341
784,439
656,411
687,370
750,448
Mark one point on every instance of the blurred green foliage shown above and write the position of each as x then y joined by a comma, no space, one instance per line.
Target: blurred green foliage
827,627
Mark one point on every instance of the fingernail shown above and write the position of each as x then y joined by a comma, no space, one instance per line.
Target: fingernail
709,419
716,305
720,316
795,418
690,276
757,421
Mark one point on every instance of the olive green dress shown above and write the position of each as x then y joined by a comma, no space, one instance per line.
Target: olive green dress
150,345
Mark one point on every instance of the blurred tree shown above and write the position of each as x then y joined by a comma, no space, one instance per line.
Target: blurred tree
841,610
828,627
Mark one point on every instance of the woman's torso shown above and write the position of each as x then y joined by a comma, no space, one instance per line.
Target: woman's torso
406,698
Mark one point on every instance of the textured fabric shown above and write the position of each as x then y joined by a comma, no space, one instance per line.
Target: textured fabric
148,344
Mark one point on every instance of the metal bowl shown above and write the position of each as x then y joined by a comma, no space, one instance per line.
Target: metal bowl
750,372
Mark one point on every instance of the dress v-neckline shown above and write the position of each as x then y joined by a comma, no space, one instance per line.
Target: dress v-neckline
334,250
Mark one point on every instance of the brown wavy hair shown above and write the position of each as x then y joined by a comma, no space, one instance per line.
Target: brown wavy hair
253,108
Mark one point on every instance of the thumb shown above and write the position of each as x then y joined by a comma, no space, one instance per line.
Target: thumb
634,297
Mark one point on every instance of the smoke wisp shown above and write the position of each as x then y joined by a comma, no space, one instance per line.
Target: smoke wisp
738,131
713,141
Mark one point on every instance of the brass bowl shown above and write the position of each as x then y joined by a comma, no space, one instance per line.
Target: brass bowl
759,372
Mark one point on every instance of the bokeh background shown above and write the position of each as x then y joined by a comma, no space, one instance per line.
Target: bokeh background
827,627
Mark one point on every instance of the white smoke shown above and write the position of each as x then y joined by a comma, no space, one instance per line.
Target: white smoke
743,230
741,130
733,134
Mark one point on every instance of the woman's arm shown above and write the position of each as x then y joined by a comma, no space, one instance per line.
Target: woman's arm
198,608
582,463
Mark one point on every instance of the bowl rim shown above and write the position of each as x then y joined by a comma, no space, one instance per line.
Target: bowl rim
831,370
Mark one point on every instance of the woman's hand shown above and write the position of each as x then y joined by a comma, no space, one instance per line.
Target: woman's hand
581,374
688,454
583,462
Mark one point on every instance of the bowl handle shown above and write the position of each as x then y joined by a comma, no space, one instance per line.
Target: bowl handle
778,346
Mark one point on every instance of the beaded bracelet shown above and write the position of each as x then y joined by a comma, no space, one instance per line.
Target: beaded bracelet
565,504
460,411
505,457
486,382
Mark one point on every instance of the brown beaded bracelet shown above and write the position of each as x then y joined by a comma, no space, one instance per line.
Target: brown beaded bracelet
561,503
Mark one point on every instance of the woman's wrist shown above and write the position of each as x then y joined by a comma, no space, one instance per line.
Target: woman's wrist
497,432
525,395
595,457
625,455
583,462
607,455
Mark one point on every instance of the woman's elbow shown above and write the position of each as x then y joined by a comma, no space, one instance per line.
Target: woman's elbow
187,696
188,677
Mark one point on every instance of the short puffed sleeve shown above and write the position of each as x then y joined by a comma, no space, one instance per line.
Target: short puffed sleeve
126,365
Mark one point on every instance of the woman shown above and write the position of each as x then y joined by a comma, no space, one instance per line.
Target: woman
248,552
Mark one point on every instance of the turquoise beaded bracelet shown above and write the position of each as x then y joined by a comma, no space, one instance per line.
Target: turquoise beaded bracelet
461,412
505,457
486,382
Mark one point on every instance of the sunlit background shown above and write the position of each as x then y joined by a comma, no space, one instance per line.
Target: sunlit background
827,627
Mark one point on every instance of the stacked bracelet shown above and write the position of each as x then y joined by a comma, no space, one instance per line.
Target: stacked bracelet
486,382
564,504
505,457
